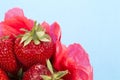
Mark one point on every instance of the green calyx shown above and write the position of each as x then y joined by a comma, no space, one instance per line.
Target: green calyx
17,76
54,75
37,34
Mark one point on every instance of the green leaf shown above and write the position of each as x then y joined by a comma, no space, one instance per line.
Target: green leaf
37,34
36,41
25,36
40,34
49,66
45,38
40,28
54,75
20,73
36,28
27,41
35,22
60,74
44,77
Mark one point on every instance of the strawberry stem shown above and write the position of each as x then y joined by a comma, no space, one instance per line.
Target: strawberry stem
37,34
54,75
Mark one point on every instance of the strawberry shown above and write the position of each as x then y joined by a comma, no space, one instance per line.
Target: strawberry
75,59
3,75
41,72
7,58
35,71
34,46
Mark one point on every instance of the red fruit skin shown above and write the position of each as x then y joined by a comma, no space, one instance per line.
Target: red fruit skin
32,54
75,59
35,71
3,75
14,21
7,57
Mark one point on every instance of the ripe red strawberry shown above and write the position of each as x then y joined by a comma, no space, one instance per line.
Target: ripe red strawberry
3,75
41,72
7,58
35,46
35,71
75,59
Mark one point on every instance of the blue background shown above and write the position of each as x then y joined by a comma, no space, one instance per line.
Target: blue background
93,23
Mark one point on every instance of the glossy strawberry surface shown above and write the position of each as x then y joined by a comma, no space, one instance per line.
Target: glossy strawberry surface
32,54
7,57
35,71
3,75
